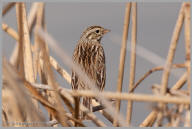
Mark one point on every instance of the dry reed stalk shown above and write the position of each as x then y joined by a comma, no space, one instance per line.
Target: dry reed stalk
187,43
14,55
13,34
133,59
31,16
147,120
122,56
70,117
60,70
7,8
10,31
20,60
180,82
37,50
187,119
27,53
131,96
176,119
172,49
159,68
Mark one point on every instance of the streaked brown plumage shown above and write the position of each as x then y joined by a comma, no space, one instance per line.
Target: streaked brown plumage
89,54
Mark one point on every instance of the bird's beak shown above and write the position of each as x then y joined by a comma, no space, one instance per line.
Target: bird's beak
106,31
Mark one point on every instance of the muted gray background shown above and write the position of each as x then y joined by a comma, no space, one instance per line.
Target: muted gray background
156,21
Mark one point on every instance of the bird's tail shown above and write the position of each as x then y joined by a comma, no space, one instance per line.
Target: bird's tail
87,103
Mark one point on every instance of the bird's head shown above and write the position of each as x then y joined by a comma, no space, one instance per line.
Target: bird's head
94,33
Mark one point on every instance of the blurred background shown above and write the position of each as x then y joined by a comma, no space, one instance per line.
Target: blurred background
155,24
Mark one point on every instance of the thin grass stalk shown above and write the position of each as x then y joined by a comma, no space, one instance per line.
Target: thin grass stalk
7,8
187,43
133,59
122,56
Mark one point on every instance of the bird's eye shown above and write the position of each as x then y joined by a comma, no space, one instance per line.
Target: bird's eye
97,31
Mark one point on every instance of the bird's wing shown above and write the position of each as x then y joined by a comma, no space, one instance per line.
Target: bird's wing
100,69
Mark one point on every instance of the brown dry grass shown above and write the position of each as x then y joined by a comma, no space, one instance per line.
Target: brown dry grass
22,95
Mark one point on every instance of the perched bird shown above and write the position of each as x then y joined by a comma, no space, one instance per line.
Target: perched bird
89,55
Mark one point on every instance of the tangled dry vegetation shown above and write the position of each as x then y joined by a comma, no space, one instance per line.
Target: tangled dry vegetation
22,94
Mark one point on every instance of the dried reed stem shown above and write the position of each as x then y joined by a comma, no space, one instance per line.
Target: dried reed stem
133,59
122,56
187,119
10,31
159,68
131,96
20,60
180,82
187,43
7,8
150,117
172,49
32,15
37,50
60,70
28,64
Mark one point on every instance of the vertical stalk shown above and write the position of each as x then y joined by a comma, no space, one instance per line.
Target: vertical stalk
187,43
122,56
133,59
